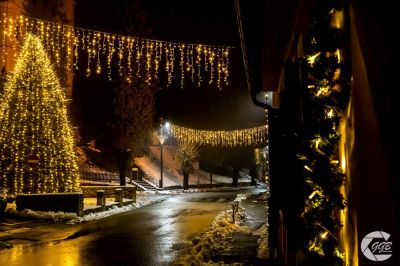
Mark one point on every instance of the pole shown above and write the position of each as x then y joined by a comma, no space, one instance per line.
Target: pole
162,138
161,168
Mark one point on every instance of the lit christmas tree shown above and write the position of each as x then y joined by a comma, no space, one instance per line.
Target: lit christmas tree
36,141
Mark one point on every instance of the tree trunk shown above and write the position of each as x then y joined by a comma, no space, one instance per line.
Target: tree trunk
235,177
122,171
124,161
185,180
253,174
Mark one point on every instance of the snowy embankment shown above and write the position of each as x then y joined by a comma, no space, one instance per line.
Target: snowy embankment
215,239
56,216
262,251
72,218
192,190
141,201
172,177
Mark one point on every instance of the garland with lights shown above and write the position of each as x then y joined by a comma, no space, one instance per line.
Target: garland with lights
228,138
36,140
142,58
325,99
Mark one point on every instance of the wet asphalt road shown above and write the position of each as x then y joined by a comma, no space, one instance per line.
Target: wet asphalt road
153,235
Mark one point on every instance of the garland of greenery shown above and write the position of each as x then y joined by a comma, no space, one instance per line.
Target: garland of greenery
325,99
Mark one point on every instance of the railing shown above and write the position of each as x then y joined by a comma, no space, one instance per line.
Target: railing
101,177
244,175
150,178
94,174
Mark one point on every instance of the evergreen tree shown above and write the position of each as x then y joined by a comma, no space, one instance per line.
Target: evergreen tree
34,127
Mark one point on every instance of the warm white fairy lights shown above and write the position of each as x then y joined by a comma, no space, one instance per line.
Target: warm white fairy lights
141,58
225,138
34,124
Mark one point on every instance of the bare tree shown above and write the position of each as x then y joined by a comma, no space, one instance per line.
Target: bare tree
133,100
133,120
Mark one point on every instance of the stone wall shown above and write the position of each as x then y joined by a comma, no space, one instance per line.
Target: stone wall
65,202
42,10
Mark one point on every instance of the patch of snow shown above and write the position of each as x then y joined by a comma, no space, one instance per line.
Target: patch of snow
171,166
191,190
100,183
141,201
72,218
89,207
262,251
214,239
160,192
56,216
228,188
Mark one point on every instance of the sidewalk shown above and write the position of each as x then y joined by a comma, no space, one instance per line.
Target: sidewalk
243,248
226,243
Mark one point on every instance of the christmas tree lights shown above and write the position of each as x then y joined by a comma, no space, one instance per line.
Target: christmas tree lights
225,138
36,140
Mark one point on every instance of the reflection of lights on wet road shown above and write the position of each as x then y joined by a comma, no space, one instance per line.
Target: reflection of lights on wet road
152,235
63,254
178,226
167,234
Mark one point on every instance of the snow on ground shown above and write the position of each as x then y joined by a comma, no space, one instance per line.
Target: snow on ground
152,169
214,239
56,216
141,200
191,190
91,203
100,183
262,251
72,218
171,176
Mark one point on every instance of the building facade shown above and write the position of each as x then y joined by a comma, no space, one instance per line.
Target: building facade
59,11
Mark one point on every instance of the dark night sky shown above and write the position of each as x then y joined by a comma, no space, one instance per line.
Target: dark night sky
207,22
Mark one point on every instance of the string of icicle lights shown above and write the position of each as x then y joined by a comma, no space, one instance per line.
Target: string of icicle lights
135,57
228,138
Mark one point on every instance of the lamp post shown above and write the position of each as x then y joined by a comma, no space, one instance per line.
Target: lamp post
162,137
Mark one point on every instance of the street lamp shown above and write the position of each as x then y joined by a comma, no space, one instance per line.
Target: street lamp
162,137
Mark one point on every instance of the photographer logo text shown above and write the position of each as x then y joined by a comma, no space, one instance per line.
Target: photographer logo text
376,247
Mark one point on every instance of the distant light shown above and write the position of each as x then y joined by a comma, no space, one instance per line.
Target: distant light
167,124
